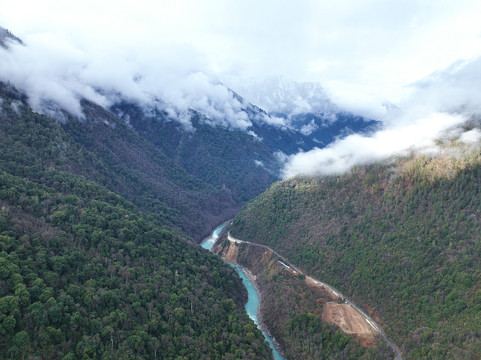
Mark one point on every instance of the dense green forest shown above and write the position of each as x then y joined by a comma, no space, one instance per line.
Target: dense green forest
143,166
402,239
177,175
87,274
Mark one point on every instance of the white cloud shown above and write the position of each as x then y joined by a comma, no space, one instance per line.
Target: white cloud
356,149
428,114
55,73
352,47
309,128
471,137
363,52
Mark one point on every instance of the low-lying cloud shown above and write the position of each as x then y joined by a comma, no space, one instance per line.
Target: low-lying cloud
55,74
168,55
360,150
443,101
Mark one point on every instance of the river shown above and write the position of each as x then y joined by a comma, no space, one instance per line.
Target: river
252,305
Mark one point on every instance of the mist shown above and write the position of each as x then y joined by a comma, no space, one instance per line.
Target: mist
413,65
56,74
440,104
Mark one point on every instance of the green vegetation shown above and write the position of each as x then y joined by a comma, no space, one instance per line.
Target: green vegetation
218,156
138,170
403,239
87,274
292,312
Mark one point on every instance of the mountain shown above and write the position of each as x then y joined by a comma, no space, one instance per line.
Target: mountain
229,159
400,238
307,320
299,118
284,97
102,199
173,174
305,109
84,272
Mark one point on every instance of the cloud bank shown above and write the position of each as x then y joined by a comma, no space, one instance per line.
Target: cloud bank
56,74
440,102
360,150
364,53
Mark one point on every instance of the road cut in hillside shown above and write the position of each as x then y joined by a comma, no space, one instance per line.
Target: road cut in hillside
342,312
316,284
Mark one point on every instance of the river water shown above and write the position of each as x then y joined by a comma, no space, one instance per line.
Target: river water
252,304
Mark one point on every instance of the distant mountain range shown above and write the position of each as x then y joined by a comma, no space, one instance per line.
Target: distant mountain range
285,115
285,98
303,107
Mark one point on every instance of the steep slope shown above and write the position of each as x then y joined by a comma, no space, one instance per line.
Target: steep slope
86,274
401,239
143,173
193,160
309,115
292,306
224,158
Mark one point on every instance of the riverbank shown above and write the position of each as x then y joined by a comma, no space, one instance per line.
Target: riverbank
298,302
260,322
253,289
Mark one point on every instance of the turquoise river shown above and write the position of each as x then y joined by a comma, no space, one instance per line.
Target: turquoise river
252,304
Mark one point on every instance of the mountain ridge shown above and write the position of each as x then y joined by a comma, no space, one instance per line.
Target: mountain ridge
401,238
87,274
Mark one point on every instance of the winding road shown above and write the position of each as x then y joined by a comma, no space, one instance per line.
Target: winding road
366,317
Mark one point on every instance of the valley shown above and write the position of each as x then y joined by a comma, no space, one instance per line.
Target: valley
252,304
85,273
240,180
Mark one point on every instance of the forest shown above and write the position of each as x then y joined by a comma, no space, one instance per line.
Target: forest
402,239
87,274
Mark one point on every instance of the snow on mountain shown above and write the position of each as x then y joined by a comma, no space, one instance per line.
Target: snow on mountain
304,107
286,116
283,97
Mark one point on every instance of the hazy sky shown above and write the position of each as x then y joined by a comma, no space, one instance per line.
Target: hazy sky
362,51
376,46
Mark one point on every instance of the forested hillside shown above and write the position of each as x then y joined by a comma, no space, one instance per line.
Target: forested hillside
191,188
87,274
233,160
402,239
292,309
